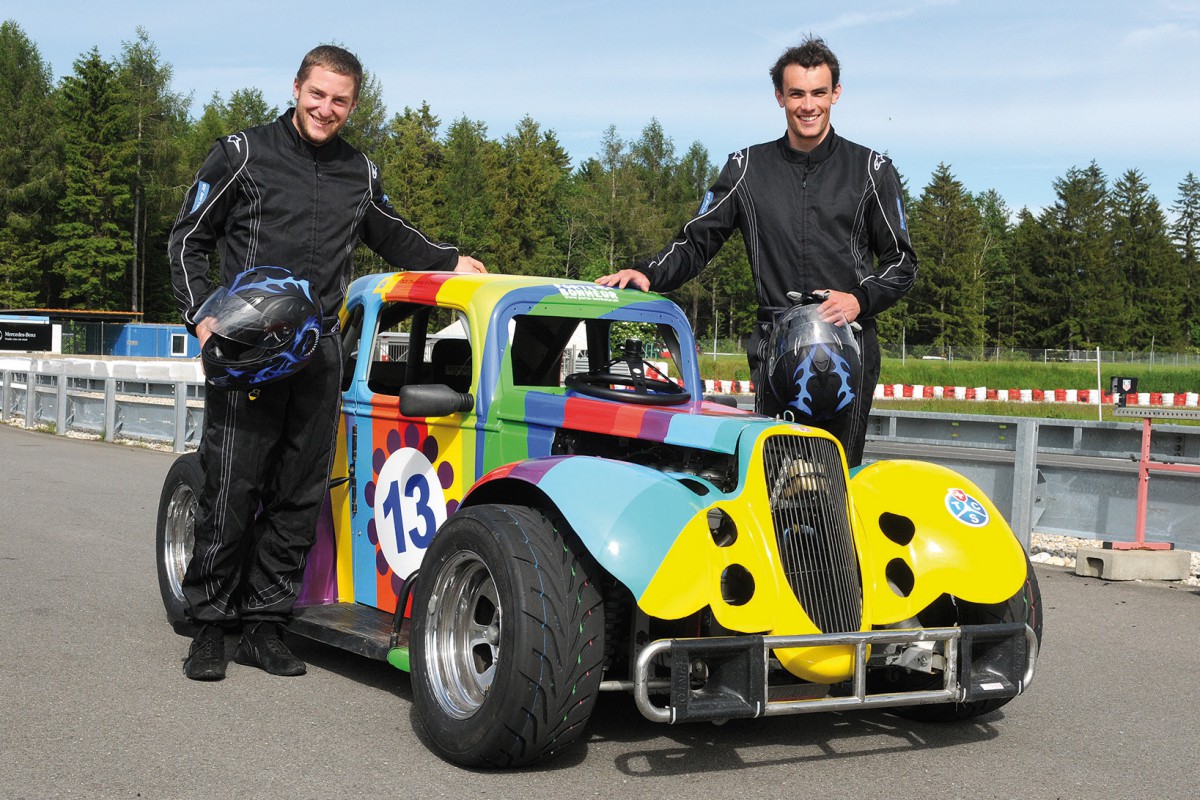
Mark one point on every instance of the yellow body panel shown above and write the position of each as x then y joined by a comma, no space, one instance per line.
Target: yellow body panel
339,502
958,542
690,578
920,531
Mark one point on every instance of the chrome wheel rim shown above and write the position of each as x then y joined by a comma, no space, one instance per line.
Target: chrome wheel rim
179,536
462,634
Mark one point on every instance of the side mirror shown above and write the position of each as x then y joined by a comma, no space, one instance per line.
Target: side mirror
723,399
433,400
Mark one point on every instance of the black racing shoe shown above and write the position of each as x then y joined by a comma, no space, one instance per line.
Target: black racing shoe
261,647
206,657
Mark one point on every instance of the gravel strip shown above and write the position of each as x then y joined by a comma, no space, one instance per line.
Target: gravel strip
1060,551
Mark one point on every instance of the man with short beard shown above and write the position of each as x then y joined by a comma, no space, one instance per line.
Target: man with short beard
293,194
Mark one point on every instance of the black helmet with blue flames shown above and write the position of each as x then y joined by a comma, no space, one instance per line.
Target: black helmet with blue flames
265,327
813,366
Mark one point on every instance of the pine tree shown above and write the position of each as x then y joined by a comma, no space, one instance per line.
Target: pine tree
533,167
692,176
1185,232
1027,309
1090,291
30,170
366,128
946,308
467,184
152,118
606,199
652,157
93,249
1143,252
994,256
411,160
246,108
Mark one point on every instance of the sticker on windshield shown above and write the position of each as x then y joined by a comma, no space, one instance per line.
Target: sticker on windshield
966,509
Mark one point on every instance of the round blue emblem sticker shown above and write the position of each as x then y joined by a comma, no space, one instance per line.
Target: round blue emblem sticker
966,509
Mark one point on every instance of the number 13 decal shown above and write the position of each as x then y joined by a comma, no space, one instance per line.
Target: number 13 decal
412,509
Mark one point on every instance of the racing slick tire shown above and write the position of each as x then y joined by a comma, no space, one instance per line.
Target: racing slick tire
176,535
508,638
1024,606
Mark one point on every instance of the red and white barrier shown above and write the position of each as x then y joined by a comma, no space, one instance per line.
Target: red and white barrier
981,393
728,387
904,391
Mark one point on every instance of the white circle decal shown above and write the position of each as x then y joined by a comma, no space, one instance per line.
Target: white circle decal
409,508
966,509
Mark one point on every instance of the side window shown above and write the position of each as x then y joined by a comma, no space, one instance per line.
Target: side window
448,350
419,344
545,349
389,349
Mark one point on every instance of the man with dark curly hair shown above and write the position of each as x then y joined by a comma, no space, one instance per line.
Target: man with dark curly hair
818,214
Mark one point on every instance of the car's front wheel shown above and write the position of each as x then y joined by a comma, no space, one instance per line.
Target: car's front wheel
508,638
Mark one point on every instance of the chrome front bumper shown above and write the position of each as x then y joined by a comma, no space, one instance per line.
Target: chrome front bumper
736,685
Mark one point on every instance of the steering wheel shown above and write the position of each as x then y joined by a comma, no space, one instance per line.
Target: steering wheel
638,388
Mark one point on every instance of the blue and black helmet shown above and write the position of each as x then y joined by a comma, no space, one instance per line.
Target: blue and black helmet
812,366
265,326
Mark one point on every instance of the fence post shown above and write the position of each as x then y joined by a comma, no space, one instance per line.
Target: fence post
60,418
1025,472
180,416
110,409
5,380
30,399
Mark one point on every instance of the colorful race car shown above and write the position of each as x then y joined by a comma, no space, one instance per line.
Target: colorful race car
532,503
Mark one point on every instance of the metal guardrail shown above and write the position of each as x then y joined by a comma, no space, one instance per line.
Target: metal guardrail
1069,477
162,412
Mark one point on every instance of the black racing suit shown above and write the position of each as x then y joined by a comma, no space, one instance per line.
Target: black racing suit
829,219
266,197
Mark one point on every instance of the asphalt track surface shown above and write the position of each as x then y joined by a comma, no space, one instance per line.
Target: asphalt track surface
93,702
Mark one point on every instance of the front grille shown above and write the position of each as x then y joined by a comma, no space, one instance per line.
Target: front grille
807,488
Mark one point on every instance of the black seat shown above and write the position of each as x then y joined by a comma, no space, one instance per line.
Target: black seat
450,363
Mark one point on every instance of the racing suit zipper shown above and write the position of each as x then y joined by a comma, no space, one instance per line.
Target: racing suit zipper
804,216
314,244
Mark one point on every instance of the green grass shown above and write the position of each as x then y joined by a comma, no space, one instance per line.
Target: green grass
999,375
723,367
1035,375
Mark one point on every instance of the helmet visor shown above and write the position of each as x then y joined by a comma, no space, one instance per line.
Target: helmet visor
232,317
804,328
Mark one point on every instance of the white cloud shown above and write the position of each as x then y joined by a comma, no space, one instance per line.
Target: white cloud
1164,34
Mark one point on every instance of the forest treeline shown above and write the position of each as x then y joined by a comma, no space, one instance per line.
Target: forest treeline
95,166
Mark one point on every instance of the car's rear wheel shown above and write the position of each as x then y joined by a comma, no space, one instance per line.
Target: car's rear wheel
508,638
176,535
1024,606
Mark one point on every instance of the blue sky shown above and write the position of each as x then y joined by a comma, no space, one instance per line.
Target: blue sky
1009,94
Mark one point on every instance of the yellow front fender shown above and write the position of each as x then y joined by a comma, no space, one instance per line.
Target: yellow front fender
924,531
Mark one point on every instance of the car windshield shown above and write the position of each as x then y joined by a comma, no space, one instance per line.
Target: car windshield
545,349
